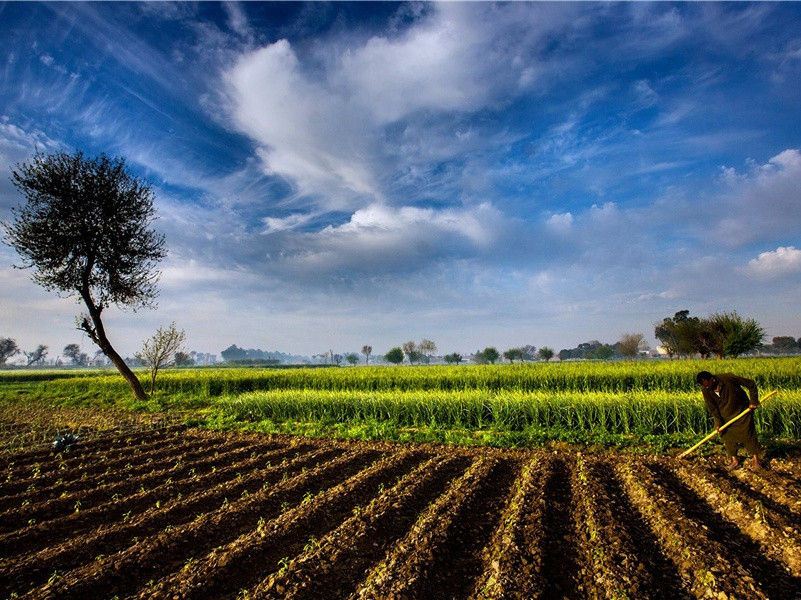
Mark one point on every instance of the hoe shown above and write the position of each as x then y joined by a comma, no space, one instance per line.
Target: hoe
724,426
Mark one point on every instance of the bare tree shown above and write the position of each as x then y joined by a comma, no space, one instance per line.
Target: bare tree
85,230
160,350
8,348
35,356
411,351
367,351
427,349
630,343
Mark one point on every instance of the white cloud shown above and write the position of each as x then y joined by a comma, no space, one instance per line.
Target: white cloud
381,239
762,203
784,260
560,221
306,133
341,119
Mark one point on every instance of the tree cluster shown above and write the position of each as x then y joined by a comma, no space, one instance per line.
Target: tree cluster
592,350
783,344
237,355
721,335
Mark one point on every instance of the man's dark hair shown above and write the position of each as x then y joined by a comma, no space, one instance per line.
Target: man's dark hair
703,376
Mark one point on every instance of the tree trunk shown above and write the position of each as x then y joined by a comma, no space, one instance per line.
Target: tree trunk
98,335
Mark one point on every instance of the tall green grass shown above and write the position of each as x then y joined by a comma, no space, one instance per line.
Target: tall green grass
641,412
561,377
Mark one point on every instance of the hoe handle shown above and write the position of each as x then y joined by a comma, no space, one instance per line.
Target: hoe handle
724,426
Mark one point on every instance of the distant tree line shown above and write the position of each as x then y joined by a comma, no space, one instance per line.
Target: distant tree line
237,355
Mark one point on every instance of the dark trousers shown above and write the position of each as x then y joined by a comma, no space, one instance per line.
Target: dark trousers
743,436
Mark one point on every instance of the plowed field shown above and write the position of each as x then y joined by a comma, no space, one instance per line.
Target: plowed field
172,512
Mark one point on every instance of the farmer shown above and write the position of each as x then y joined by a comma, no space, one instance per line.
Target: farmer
725,398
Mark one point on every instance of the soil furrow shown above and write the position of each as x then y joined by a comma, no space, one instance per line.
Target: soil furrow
407,566
626,556
162,553
58,500
75,481
245,561
514,557
97,444
335,568
561,568
36,535
779,539
117,448
704,561
34,569
771,491
98,467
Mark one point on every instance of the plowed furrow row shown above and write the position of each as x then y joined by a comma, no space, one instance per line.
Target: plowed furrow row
35,535
778,538
773,491
84,494
772,575
245,561
625,558
408,566
98,444
74,482
709,566
98,467
213,490
164,552
514,557
561,558
789,470
335,567
111,449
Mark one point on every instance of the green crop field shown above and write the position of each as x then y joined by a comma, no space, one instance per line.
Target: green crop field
624,403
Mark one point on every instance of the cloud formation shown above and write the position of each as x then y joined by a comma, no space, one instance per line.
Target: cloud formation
776,263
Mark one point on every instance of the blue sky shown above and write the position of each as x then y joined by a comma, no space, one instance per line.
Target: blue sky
331,175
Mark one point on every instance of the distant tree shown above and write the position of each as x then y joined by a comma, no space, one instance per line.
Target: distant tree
36,356
85,230
602,352
73,352
478,357
159,351
453,358
395,356
491,354
630,344
182,359
337,359
785,344
427,348
367,351
735,335
411,351
513,354
8,348
680,335
233,352
529,352
545,353
352,358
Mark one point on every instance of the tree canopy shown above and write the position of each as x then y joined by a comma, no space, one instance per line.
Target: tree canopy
85,230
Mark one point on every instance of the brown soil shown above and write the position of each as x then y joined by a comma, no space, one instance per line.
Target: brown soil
161,511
